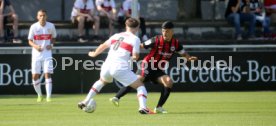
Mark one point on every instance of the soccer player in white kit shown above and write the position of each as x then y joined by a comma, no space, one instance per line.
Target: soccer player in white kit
116,65
41,37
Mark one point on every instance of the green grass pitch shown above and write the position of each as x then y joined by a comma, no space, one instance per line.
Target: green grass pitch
185,109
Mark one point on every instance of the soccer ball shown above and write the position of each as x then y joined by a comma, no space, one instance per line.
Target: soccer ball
90,107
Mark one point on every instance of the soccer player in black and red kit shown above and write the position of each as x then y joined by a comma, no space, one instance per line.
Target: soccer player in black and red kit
152,68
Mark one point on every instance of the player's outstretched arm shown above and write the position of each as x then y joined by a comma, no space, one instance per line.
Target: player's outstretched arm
188,57
181,51
99,50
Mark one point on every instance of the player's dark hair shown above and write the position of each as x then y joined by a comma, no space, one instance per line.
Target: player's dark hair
132,22
167,25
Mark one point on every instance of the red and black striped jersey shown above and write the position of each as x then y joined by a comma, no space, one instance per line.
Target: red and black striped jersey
161,51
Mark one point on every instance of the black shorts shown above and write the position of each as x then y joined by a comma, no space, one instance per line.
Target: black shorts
151,75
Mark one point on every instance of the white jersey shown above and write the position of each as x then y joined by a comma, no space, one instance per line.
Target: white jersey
126,7
107,5
122,45
84,7
42,35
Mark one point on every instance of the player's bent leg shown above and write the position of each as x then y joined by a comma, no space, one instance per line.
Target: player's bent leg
15,29
1,27
96,25
95,89
122,92
81,20
128,78
15,24
167,84
166,81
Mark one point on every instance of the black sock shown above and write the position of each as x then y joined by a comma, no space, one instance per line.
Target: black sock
123,91
165,93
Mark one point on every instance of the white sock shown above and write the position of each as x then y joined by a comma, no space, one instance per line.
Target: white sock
37,87
142,96
48,86
97,86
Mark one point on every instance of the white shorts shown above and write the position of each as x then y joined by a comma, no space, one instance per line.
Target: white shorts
123,75
45,65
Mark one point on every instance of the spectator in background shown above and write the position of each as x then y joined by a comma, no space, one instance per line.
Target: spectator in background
6,17
234,16
125,12
270,8
255,7
84,11
107,8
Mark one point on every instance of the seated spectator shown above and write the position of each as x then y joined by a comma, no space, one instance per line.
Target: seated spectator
234,16
270,8
84,11
107,8
255,7
7,17
125,12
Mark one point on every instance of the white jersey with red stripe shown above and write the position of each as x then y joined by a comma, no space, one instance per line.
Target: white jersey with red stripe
108,5
122,46
84,7
126,6
42,35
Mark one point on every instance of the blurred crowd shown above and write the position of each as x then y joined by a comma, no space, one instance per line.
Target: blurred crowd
84,13
253,12
89,13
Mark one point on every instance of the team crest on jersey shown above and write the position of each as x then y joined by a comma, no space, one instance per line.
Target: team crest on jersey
172,48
